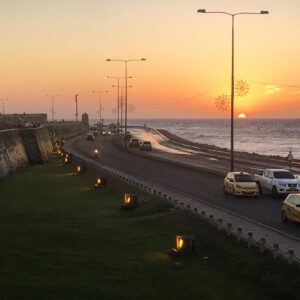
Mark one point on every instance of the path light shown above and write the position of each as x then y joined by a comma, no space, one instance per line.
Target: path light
80,168
100,182
130,201
68,159
185,245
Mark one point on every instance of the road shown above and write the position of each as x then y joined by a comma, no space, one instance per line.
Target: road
200,184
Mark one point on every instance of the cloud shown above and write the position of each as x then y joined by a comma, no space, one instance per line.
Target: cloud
272,89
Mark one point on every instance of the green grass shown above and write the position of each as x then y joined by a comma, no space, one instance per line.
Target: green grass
62,239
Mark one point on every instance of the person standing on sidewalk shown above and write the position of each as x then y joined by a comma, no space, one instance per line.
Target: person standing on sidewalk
290,158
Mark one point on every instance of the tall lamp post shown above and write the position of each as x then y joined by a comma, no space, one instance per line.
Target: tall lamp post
100,105
76,108
263,12
126,62
52,105
3,105
118,100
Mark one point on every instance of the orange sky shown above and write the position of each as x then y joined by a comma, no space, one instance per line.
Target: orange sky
60,47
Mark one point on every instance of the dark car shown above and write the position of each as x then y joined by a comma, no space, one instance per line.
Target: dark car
90,136
134,143
146,146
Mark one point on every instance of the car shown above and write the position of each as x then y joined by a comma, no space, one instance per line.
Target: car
240,184
106,133
291,208
278,182
94,130
134,143
90,136
146,146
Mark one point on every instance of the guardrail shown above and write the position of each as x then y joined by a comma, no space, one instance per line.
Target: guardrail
219,223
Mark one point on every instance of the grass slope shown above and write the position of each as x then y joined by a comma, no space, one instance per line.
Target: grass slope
62,239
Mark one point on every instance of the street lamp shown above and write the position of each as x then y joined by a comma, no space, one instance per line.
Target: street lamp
100,106
76,107
118,100
3,105
125,62
52,105
122,103
263,12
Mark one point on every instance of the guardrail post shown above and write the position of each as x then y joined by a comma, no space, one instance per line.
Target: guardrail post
196,210
291,256
262,245
203,214
211,219
250,239
239,233
275,250
229,228
188,207
220,223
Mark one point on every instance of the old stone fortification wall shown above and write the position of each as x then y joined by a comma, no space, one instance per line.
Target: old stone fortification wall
67,129
19,147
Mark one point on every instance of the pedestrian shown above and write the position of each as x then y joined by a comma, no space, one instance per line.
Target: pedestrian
290,158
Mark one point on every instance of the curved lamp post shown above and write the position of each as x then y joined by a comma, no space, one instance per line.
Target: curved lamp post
263,12
125,62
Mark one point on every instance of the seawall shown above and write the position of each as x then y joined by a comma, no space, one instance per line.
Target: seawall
20,147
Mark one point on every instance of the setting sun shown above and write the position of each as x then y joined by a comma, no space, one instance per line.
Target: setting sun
242,116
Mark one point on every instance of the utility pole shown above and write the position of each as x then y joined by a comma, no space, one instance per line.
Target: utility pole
52,105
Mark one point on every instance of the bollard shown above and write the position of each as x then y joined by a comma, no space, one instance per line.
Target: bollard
154,191
159,193
250,239
150,189
239,233
291,256
229,228
170,198
220,223
165,196
211,219
196,210
181,205
203,214
262,245
188,207
275,250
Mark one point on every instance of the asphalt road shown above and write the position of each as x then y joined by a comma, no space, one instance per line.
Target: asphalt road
203,185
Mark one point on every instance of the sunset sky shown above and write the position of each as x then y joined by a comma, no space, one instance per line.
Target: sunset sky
60,47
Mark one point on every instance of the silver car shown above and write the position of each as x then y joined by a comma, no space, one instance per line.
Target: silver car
146,146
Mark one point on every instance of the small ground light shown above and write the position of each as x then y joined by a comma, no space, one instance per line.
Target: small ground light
80,168
130,201
68,159
100,182
185,245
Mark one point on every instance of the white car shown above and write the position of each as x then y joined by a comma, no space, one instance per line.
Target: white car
278,182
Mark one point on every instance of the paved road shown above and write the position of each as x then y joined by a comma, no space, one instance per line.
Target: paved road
203,185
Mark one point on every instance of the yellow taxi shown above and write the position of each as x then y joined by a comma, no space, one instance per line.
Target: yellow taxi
240,184
291,208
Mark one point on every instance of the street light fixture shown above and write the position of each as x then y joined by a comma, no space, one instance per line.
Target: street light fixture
100,106
125,62
263,12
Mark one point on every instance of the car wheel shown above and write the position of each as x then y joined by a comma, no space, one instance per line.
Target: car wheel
233,193
284,217
274,192
260,190
224,190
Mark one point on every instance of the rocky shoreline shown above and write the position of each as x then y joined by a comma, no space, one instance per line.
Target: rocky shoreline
241,154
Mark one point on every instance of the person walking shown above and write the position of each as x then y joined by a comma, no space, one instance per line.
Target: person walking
290,158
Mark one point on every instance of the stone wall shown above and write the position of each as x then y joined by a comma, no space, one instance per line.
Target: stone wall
19,147
67,129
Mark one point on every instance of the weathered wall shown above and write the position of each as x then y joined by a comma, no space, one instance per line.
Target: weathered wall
67,129
12,152
19,147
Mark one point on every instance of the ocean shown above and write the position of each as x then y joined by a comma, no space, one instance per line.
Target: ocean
262,136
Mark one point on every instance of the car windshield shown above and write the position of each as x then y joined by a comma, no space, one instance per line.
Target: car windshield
243,178
283,175
146,143
297,200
